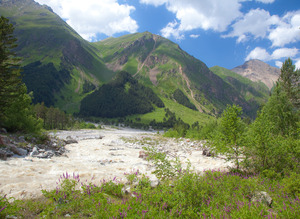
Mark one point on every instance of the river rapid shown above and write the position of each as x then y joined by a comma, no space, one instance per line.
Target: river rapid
99,154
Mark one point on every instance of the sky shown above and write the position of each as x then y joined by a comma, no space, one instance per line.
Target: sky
218,32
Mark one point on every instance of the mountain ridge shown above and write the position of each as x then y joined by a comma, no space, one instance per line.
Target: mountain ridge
257,70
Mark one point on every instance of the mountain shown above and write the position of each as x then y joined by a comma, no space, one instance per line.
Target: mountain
257,70
165,67
255,93
44,37
62,69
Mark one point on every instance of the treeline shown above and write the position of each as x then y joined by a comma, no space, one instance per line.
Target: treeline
121,97
53,118
182,99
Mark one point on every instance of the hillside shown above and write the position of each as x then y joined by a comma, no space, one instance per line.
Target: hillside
165,67
257,70
255,93
43,36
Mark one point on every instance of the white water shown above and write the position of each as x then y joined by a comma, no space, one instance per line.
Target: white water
93,159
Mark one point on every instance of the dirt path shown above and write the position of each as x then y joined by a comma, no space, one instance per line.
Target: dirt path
98,155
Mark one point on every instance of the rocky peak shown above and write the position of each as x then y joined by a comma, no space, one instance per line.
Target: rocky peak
257,70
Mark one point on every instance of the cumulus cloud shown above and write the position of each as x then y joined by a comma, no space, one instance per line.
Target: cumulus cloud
194,36
278,64
287,31
91,17
297,64
262,54
256,22
266,1
193,14
258,53
172,30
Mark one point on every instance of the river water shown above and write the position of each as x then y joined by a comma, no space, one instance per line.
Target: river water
99,154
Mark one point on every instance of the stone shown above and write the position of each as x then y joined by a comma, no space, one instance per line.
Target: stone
71,141
22,139
34,152
143,155
126,189
262,197
18,151
207,152
154,183
4,140
3,130
3,155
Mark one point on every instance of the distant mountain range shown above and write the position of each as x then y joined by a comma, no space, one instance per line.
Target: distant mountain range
62,68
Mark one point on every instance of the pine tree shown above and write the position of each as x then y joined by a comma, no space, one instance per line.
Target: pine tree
289,81
16,112
10,81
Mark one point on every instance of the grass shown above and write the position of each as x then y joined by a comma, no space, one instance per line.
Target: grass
214,194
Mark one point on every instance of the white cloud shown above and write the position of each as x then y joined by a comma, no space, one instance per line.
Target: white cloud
297,64
256,22
193,14
278,64
287,31
258,53
262,54
194,36
266,1
172,30
284,52
90,17
154,2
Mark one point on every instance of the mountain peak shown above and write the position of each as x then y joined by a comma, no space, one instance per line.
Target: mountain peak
257,70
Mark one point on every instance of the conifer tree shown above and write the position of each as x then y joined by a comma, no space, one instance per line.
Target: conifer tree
289,81
10,82
16,112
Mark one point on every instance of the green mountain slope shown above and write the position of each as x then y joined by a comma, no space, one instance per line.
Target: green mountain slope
165,67
43,36
255,93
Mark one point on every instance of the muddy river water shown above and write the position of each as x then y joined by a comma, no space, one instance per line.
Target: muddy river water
99,154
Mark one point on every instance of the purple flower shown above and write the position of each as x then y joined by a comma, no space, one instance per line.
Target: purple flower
2,208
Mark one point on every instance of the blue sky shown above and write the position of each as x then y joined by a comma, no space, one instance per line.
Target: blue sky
218,32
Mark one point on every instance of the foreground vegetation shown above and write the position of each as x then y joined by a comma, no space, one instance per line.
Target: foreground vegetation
214,194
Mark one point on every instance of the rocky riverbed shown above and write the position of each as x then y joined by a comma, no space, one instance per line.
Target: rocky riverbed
95,155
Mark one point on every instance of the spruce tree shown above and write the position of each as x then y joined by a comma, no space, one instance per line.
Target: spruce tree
289,80
15,104
10,82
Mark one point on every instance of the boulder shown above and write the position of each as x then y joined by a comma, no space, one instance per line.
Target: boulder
262,197
4,140
46,154
126,189
18,151
143,155
34,152
3,130
207,152
3,155
154,183
71,141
